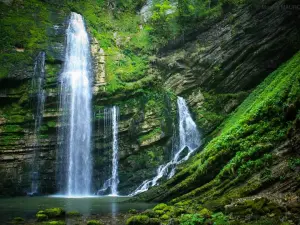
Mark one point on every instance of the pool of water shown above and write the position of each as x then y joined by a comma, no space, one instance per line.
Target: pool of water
27,207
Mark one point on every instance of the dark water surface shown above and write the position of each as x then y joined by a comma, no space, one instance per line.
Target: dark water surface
27,207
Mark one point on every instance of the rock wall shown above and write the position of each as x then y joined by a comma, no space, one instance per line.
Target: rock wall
218,64
147,119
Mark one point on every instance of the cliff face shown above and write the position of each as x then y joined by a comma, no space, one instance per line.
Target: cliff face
20,47
146,118
252,151
217,64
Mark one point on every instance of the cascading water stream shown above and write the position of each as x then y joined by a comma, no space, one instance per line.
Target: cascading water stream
189,137
38,99
115,179
111,119
74,156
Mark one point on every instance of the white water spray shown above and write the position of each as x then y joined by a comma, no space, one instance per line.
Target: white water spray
189,138
75,105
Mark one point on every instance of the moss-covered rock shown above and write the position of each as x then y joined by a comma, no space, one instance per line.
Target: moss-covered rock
132,211
73,214
94,222
161,206
18,220
205,213
142,220
40,216
54,212
54,223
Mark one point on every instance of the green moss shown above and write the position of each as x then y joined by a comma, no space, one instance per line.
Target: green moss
94,222
18,220
135,220
142,220
242,147
132,211
23,26
51,124
12,128
54,223
10,139
150,135
216,108
52,212
16,119
205,213
165,217
73,214
40,216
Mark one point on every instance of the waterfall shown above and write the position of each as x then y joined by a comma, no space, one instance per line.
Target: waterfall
38,99
111,119
189,138
115,179
74,154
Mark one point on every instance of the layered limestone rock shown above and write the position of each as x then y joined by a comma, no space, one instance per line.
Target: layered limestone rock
99,64
230,56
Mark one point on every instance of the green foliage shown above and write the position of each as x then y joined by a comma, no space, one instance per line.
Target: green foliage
163,23
151,135
220,219
23,32
205,213
191,219
130,5
294,163
161,206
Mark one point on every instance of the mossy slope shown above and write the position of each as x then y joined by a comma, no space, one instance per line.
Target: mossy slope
245,146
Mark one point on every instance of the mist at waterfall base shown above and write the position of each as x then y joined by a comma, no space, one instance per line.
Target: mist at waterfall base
189,138
111,118
38,97
74,170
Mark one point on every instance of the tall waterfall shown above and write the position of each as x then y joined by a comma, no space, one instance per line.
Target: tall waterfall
111,119
38,99
189,138
74,156
115,179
